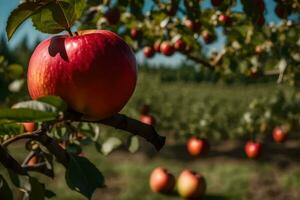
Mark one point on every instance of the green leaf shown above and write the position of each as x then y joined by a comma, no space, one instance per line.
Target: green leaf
10,129
5,191
37,189
35,105
20,14
83,176
134,144
14,178
26,115
55,101
110,144
58,16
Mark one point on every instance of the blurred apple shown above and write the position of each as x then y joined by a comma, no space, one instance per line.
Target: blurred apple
161,180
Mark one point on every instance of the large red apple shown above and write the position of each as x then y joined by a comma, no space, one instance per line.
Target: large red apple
180,45
167,48
29,126
94,72
147,119
279,135
253,149
148,52
191,185
196,146
161,180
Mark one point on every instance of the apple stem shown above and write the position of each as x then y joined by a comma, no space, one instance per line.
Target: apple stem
70,32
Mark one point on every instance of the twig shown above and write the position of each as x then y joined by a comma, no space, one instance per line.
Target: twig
40,168
10,163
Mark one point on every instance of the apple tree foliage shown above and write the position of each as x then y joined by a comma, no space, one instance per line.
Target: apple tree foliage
253,47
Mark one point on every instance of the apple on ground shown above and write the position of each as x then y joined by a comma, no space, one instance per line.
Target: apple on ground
147,119
279,135
29,126
96,62
253,149
191,185
197,146
166,48
148,52
161,180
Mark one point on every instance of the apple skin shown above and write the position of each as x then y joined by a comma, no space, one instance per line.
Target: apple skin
156,46
113,16
147,119
253,149
33,161
193,26
279,135
29,126
95,72
135,33
196,146
161,180
224,19
191,185
216,3
180,45
166,48
148,52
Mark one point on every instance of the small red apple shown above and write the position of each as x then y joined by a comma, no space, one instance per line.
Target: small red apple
33,160
29,126
191,185
224,19
207,37
156,46
192,25
216,3
259,50
279,135
147,119
94,62
180,45
148,52
112,16
161,180
135,33
166,48
253,149
196,146
281,11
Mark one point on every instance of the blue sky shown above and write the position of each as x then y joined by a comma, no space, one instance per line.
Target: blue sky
27,30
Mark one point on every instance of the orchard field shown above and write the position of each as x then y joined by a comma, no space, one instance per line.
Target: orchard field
150,100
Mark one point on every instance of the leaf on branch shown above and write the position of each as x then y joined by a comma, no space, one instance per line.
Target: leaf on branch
58,16
110,144
26,115
35,105
37,189
20,14
55,101
83,176
5,191
10,129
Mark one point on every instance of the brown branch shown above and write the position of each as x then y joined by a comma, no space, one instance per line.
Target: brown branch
199,60
122,122
28,135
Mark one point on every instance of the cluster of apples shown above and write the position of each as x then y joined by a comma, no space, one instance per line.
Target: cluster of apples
190,184
253,149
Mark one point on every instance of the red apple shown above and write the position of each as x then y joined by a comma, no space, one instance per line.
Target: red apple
33,161
29,126
180,45
281,11
258,50
113,16
147,119
261,5
156,46
207,37
148,52
224,19
196,146
216,3
279,135
135,33
167,48
161,180
191,185
192,25
253,149
94,72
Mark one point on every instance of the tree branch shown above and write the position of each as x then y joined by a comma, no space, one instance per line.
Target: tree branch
122,122
40,168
